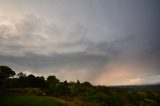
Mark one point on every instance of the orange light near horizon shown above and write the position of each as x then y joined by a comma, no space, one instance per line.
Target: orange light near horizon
136,80
120,74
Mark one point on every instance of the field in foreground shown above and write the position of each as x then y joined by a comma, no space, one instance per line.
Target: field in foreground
29,101
118,96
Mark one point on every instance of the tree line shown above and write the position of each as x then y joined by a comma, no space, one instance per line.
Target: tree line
82,91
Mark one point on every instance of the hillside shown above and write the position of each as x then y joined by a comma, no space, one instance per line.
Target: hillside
30,90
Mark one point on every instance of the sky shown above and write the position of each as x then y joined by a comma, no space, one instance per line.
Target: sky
105,42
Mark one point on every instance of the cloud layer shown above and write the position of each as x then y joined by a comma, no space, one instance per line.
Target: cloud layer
112,44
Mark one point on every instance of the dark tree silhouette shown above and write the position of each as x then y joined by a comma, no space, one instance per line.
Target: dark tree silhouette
52,80
21,75
5,73
31,79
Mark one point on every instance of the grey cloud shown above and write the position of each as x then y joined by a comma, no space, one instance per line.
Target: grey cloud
82,36
55,63
66,48
142,50
33,35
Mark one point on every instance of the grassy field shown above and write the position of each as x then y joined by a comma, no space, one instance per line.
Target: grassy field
29,101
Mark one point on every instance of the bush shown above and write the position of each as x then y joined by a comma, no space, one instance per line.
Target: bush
26,91
35,91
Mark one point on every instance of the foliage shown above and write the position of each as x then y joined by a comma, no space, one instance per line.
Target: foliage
6,72
25,91
84,93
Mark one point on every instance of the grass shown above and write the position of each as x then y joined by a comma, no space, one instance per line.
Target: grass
29,101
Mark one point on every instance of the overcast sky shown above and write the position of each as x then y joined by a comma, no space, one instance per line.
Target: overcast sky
107,42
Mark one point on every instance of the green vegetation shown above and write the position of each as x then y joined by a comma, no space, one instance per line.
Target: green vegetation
51,90
29,101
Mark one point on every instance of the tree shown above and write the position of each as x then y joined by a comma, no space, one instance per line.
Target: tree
21,75
22,80
78,82
40,82
31,80
52,83
52,80
87,84
5,73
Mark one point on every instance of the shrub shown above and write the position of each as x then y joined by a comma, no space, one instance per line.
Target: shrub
35,91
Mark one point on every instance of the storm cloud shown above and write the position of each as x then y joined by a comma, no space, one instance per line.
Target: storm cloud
104,42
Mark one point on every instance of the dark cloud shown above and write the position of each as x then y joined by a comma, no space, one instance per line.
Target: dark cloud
84,43
57,62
